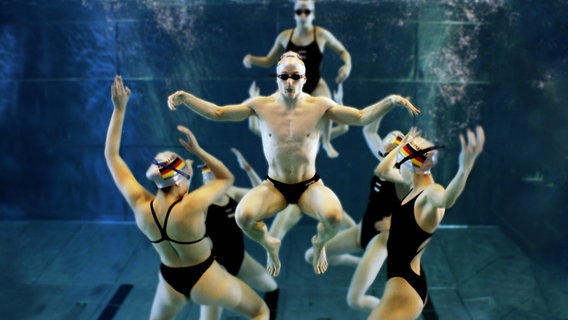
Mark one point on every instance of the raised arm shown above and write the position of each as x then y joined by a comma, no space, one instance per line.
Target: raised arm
337,47
254,126
340,129
129,187
470,150
386,169
243,163
211,111
223,177
268,60
353,116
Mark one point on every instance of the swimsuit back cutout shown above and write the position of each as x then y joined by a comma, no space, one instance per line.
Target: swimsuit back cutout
163,232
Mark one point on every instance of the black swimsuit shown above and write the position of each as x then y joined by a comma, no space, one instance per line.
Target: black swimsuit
228,239
382,202
182,279
312,57
405,239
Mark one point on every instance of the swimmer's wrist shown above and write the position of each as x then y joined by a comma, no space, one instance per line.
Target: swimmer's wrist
185,98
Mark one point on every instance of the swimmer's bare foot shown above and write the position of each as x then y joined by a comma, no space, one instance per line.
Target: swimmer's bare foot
344,259
320,261
272,260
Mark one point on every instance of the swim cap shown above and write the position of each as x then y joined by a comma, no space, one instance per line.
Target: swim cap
390,141
206,174
291,58
419,156
290,54
168,169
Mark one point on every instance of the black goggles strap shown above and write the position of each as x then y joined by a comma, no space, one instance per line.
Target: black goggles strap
185,175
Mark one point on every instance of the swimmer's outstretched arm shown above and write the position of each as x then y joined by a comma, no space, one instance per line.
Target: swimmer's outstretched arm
209,110
350,115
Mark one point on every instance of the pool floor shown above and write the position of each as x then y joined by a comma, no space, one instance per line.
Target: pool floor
86,270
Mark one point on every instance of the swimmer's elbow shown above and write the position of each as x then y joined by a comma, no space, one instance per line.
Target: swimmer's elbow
216,114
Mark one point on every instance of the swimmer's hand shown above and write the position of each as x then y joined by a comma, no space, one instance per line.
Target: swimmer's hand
343,73
330,150
241,159
247,61
191,143
403,102
471,148
119,94
338,95
383,225
254,90
176,99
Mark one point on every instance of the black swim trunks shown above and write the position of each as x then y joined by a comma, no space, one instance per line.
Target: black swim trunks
293,192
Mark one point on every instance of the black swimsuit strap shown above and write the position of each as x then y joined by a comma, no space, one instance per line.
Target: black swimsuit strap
154,215
168,214
292,34
163,229
315,35
164,235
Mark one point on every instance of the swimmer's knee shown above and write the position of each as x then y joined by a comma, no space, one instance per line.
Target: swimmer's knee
245,218
335,217
355,301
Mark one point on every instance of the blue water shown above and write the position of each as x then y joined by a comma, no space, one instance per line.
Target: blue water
501,64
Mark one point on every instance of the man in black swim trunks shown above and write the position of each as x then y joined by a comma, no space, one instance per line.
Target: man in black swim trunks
290,126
